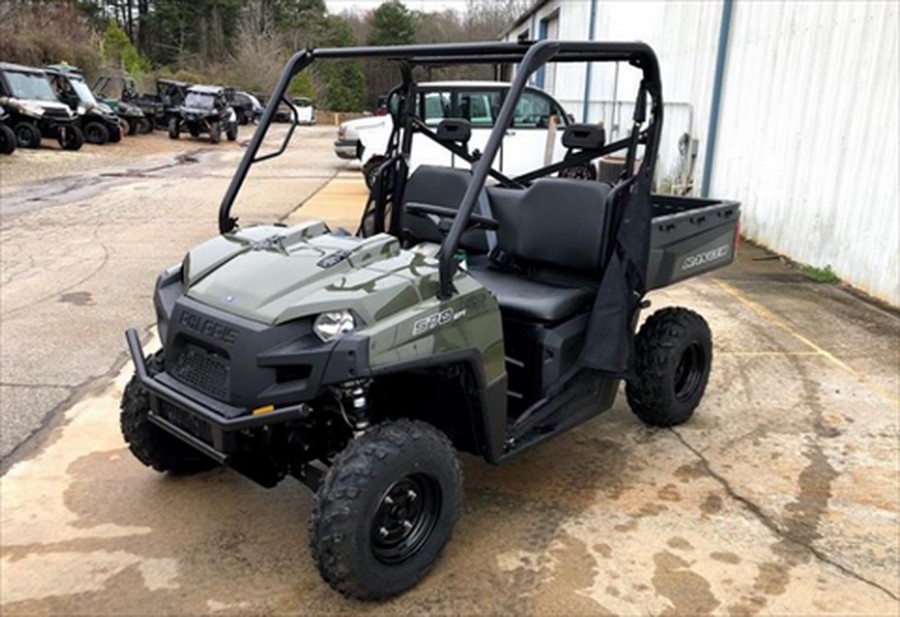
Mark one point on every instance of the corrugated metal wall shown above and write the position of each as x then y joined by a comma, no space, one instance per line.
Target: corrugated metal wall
808,134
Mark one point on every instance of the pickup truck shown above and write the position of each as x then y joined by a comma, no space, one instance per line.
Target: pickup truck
524,147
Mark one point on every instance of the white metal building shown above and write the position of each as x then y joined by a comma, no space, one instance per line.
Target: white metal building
807,131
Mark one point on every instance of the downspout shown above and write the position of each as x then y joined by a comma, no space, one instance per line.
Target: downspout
592,31
721,56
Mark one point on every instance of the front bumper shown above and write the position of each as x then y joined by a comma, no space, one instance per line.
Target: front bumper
201,421
347,149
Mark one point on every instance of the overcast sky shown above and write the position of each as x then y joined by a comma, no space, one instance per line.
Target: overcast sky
337,6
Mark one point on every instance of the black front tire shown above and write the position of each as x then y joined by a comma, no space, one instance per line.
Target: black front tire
673,361
144,126
150,444
215,132
385,510
7,140
174,128
71,138
28,135
95,133
232,132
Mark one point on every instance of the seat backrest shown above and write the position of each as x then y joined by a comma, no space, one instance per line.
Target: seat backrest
561,223
438,186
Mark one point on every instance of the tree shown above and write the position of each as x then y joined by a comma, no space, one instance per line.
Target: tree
117,50
392,24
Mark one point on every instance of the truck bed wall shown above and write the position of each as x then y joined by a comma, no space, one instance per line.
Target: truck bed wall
690,236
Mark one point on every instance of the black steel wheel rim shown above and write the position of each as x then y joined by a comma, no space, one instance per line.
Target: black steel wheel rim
405,518
689,372
92,134
25,135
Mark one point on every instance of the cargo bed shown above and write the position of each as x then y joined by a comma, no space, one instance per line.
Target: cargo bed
690,236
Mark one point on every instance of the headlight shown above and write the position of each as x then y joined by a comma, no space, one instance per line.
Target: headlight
331,325
82,110
30,109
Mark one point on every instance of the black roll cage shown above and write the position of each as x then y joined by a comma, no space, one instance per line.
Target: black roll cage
530,56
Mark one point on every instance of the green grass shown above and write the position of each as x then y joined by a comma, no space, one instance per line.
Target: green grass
821,275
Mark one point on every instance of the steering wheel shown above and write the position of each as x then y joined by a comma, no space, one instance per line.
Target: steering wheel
443,217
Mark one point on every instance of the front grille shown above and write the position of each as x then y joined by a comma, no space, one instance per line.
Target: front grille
56,114
203,370
186,421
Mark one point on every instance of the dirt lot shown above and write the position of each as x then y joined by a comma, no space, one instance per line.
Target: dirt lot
780,497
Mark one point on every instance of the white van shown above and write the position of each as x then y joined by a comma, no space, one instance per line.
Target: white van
525,148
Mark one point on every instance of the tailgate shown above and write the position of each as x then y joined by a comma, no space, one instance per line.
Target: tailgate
690,236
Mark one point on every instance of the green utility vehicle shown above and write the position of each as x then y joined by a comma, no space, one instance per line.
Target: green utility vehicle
470,312
99,123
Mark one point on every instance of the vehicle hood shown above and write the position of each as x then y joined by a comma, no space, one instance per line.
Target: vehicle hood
60,109
351,128
275,274
198,111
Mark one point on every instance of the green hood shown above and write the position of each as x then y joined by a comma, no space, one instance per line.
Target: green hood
275,274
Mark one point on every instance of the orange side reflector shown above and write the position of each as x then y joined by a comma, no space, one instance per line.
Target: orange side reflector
264,409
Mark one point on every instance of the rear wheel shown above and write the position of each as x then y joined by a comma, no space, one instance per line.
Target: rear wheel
385,510
28,135
174,128
215,132
673,362
71,138
150,444
95,133
7,140
232,132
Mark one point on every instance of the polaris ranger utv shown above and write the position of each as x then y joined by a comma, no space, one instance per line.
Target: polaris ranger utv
205,110
34,111
99,123
471,311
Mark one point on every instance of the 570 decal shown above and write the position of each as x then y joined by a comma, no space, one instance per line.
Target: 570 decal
440,318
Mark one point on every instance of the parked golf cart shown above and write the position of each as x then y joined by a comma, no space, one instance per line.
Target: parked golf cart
98,121
247,107
33,109
473,310
205,110
7,136
115,91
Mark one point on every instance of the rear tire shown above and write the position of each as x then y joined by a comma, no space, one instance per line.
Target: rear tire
150,444
27,135
73,139
385,510
232,133
7,140
673,362
174,129
95,133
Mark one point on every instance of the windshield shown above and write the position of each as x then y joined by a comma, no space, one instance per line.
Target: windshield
199,99
30,86
84,93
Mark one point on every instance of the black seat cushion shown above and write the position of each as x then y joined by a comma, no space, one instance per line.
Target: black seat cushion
532,300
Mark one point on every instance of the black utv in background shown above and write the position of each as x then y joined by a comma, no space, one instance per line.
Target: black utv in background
34,111
98,121
7,137
113,90
205,110
247,107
